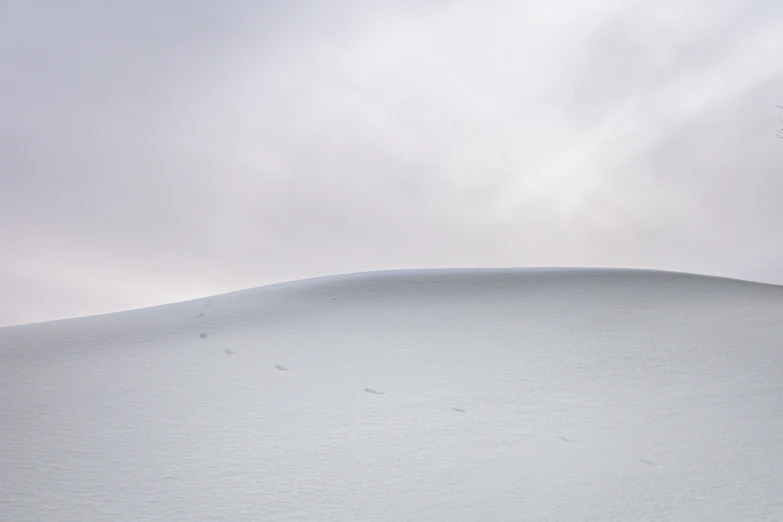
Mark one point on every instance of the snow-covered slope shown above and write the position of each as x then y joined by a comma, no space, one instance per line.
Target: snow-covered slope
448,395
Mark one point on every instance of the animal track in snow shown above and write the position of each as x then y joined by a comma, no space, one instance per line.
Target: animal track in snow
376,392
281,368
199,316
228,352
203,335
566,439
459,410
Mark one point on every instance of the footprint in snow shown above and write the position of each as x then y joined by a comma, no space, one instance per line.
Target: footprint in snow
375,392
459,410
199,316
649,462
281,368
566,439
203,335
228,352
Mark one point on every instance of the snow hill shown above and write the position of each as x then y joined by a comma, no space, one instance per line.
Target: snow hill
440,396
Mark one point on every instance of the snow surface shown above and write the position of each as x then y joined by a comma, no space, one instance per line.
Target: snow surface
447,395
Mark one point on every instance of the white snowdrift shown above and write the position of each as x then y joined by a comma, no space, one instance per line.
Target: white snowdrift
448,395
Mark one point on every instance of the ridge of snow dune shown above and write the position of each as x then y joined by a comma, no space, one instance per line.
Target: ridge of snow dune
437,395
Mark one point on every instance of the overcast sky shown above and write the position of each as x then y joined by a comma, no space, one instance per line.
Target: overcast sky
153,151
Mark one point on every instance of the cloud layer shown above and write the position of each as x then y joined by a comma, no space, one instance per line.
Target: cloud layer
151,153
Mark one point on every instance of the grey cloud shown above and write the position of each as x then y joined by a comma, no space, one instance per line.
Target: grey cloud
154,152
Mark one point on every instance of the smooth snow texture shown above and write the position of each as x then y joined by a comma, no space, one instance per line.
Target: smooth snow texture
447,395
